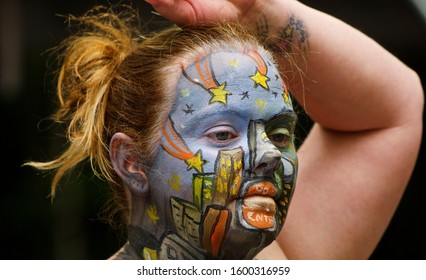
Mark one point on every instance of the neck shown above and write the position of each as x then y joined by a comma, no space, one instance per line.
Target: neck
172,247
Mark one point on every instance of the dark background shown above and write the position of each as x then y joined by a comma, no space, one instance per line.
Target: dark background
31,227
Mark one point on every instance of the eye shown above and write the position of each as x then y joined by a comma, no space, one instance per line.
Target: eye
221,134
279,137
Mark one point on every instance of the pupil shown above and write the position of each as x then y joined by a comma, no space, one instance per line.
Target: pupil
222,135
278,137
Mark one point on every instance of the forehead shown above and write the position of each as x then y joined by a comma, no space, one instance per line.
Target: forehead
226,83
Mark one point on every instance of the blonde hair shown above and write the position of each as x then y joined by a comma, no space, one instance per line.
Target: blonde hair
113,79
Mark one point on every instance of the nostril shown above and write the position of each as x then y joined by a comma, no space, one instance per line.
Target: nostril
268,162
262,165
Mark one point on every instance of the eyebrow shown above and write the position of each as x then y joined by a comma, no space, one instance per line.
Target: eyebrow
289,114
289,117
202,118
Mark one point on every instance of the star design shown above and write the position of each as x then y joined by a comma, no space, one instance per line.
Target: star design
196,162
152,213
219,94
244,95
303,35
299,25
260,79
275,94
260,104
188,109
234,63
289,32
184,92
174,182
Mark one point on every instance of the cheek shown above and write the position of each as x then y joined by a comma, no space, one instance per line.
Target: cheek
168,176
211,154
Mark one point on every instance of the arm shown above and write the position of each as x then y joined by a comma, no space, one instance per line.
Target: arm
367,107
358,158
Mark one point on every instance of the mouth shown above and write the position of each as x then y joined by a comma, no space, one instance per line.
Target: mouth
258,204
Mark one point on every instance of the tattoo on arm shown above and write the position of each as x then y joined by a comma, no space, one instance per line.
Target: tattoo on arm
294,34
292,37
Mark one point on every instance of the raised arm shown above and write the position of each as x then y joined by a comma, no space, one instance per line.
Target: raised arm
358,158
367,107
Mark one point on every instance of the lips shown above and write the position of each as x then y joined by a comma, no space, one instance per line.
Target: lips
258,207
263,188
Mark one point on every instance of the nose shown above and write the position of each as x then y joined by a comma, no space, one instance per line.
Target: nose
268,161
265,158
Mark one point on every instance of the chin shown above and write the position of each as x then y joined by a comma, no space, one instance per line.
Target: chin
244,241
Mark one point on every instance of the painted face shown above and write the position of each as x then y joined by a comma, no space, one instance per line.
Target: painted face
224,175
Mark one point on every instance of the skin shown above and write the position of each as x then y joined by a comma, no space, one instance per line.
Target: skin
224,173
353,166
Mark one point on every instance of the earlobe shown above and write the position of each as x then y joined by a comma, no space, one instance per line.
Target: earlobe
125,161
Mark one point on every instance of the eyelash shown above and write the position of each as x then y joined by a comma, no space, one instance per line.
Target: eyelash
280,132
218,132
226,134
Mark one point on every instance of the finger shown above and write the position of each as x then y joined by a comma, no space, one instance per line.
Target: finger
179,12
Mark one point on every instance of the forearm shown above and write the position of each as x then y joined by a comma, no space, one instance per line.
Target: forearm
356,162
344,79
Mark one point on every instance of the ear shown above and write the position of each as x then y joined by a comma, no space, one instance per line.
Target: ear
125,161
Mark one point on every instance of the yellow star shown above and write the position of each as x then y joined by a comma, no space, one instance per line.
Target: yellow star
152,213
260,79
219,94
260,104
174,182
234,63
196,162
185,92
289,31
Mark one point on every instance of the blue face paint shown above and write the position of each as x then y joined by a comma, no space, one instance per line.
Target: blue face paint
226,169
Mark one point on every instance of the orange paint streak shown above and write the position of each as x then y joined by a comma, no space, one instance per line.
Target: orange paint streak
208,227
207,79
177,155
175,136
285,89
219,233
261,65
181,152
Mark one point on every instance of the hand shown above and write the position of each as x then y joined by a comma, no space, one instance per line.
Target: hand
186,12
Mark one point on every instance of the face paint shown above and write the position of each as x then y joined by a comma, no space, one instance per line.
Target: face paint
224,175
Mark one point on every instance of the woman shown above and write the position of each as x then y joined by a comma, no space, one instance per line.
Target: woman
194,130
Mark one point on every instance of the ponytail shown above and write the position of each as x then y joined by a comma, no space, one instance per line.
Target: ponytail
90,60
